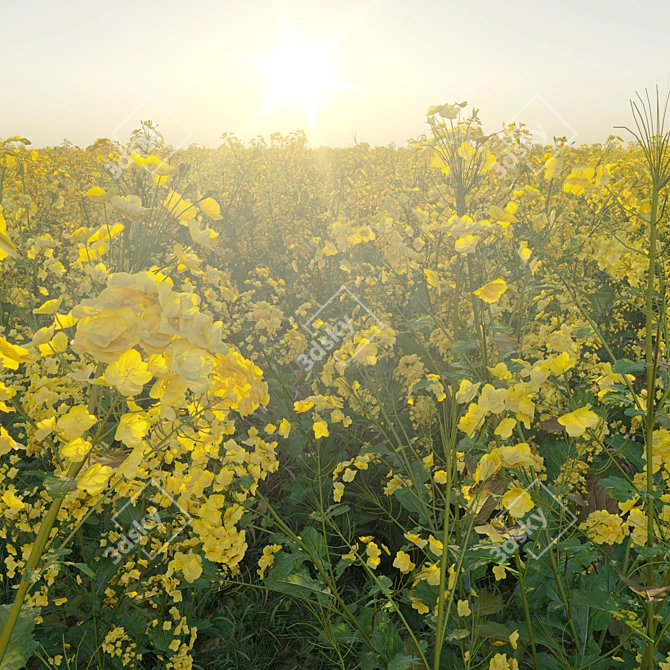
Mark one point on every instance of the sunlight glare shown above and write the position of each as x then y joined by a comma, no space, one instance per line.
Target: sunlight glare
300,73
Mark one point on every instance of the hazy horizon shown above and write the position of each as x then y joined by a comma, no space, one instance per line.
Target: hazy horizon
83,70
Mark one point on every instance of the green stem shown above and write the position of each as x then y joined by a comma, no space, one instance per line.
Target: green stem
526,609
650,417
445,542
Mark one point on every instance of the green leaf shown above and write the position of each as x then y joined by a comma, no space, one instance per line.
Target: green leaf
59,487
631,411
409,500
299,584
547,662
619,488
84,568
385,586
338,510
295,444
494,630
314,541
402,662
487,603
285,564
462,347
22,644
625,366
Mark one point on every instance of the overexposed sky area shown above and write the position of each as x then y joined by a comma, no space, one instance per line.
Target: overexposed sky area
81,69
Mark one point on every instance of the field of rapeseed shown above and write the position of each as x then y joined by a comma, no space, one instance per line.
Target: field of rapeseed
268,406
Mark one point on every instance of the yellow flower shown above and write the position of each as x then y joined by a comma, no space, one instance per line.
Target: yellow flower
503,216
373,552
517,501
500,662
7,442
130,466
182,209
266,560
578,421
49,307
94,480
505,428
10,499
492,399
12,355
205,237
524,252
6,393
433,279
488,465
210,208
553,167
578,179
45,428
463,607
129,373
106,335
76,422
130,207
7,247
513,638
561,364
98,194
338,491
416,539
155,165
435,546
58,345
500,371
637,520
491,292
472,420
431,574
189,564
131,430
418,605
605,528
466,244
466,151
76,449
403,562
320,429
349,475
466,391
440,476
300,406
284,428
518,456
439,163
627,505
499,572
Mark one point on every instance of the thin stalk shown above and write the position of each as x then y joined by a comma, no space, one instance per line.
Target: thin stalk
650,416
526,609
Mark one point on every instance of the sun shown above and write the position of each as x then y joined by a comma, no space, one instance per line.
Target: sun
300,74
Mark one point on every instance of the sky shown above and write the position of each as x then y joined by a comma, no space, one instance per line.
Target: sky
361,70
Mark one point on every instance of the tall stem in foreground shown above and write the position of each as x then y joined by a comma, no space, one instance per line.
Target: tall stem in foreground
650,360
